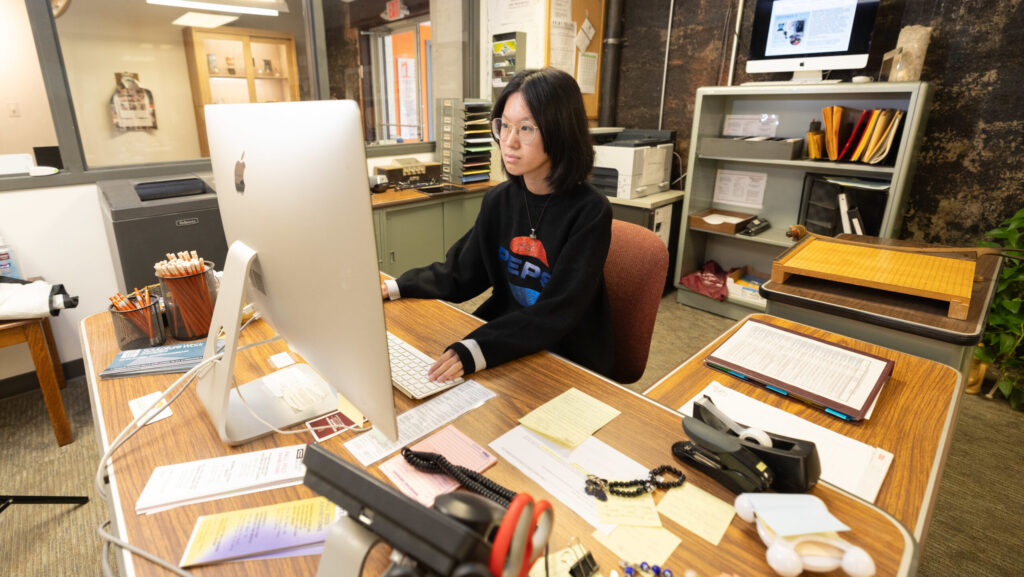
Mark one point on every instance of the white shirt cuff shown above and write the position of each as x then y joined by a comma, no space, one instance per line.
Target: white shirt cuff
478,355
393,293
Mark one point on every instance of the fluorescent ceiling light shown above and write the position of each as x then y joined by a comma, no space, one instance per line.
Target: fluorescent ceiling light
204,20
258,7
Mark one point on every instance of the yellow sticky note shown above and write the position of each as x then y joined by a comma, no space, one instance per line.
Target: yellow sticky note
635,511
569,418
652,544
699,511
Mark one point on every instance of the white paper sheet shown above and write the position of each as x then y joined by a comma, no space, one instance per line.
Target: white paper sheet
846,463
420,421
197,481
563,472
741,188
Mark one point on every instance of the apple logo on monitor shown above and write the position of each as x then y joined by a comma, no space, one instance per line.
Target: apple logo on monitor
240,174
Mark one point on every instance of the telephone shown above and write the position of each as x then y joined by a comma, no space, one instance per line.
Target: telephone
756,226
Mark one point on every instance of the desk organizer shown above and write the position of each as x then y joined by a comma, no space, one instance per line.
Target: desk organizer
697,221
746,147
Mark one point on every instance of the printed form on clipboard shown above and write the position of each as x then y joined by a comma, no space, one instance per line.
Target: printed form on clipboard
841,381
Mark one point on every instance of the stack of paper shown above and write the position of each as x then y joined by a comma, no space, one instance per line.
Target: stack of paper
197,481
157,360
281,530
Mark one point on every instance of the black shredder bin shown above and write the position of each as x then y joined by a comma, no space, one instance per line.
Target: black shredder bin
147,218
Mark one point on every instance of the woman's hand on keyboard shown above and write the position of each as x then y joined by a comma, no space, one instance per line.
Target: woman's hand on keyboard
446,368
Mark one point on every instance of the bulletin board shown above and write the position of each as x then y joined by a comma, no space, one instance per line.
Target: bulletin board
548,35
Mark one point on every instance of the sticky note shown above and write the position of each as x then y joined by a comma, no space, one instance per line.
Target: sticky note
634,511
652,544
698,511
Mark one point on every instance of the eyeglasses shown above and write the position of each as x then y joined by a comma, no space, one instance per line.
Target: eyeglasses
526,130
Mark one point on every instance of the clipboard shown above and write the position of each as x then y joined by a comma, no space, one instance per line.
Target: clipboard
837,379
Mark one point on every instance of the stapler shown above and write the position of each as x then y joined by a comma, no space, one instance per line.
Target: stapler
794,462
722,457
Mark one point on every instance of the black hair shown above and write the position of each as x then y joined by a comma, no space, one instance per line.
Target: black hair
556,104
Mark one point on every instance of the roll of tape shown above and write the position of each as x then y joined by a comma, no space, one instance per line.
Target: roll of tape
756,435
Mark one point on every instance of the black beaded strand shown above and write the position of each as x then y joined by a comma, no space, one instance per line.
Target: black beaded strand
600,488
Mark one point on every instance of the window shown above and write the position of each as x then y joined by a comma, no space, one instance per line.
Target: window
121,97
401,62
138,90
386,66
26,125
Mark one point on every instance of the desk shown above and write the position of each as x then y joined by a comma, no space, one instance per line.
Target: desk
644,431
913,418
906,323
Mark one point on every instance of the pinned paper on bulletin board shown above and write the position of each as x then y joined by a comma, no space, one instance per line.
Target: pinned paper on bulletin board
586,72
585,35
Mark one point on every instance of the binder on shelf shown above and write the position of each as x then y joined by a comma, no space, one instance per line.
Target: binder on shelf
885,146
884,121
844,212
839,122
466,141
866,135
855,134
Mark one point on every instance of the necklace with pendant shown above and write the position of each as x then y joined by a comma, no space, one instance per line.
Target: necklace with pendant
533,229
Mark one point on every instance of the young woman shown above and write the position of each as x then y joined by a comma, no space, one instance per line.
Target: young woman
539,241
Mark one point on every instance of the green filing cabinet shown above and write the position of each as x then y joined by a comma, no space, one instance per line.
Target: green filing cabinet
413,236
459,216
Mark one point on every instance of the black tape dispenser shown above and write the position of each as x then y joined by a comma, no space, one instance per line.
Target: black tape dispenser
794,462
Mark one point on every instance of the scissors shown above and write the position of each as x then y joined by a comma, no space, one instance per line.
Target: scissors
521,537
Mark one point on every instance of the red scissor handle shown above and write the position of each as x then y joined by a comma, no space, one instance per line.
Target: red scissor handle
521,537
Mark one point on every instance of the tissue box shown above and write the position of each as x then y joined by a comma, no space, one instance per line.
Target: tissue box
697,221
743,284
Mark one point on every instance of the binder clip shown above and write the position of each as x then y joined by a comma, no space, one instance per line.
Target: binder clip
585,565
794,462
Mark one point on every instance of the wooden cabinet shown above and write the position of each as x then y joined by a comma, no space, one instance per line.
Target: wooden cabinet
794,107
238,65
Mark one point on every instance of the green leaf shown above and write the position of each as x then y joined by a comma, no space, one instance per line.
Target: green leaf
1016,399
1006,344
984,355
1005,387
1012,305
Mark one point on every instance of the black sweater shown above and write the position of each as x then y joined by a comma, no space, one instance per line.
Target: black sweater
549,293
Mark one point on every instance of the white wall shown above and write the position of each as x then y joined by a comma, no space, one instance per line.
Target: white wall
21,83
57,233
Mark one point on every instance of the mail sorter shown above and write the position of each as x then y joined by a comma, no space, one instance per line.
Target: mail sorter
635,164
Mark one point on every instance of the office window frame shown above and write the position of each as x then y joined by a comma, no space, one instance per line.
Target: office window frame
55,81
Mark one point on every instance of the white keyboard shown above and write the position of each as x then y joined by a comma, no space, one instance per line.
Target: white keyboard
409,370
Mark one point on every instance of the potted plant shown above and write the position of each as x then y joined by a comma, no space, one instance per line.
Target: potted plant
1003,339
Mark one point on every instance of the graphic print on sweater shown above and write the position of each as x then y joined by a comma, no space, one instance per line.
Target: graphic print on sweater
526,266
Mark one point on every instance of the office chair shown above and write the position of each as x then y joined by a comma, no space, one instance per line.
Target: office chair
635,276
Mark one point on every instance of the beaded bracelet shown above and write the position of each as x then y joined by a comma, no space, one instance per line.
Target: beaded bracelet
600,488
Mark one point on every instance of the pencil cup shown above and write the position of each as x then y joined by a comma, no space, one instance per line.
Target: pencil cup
188,302
139,328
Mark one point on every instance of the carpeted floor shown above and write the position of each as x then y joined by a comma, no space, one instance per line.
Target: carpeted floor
975,529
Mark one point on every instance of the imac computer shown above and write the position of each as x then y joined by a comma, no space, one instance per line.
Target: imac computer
806,37
293,195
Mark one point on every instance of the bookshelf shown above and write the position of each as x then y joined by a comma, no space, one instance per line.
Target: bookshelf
236,65
466,140
795,107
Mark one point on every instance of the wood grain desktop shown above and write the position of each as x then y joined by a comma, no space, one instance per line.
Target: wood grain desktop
913,418
644,431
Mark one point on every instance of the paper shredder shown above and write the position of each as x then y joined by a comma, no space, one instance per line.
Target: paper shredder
147,218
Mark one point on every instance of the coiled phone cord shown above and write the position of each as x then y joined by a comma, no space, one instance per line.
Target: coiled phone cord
468,478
